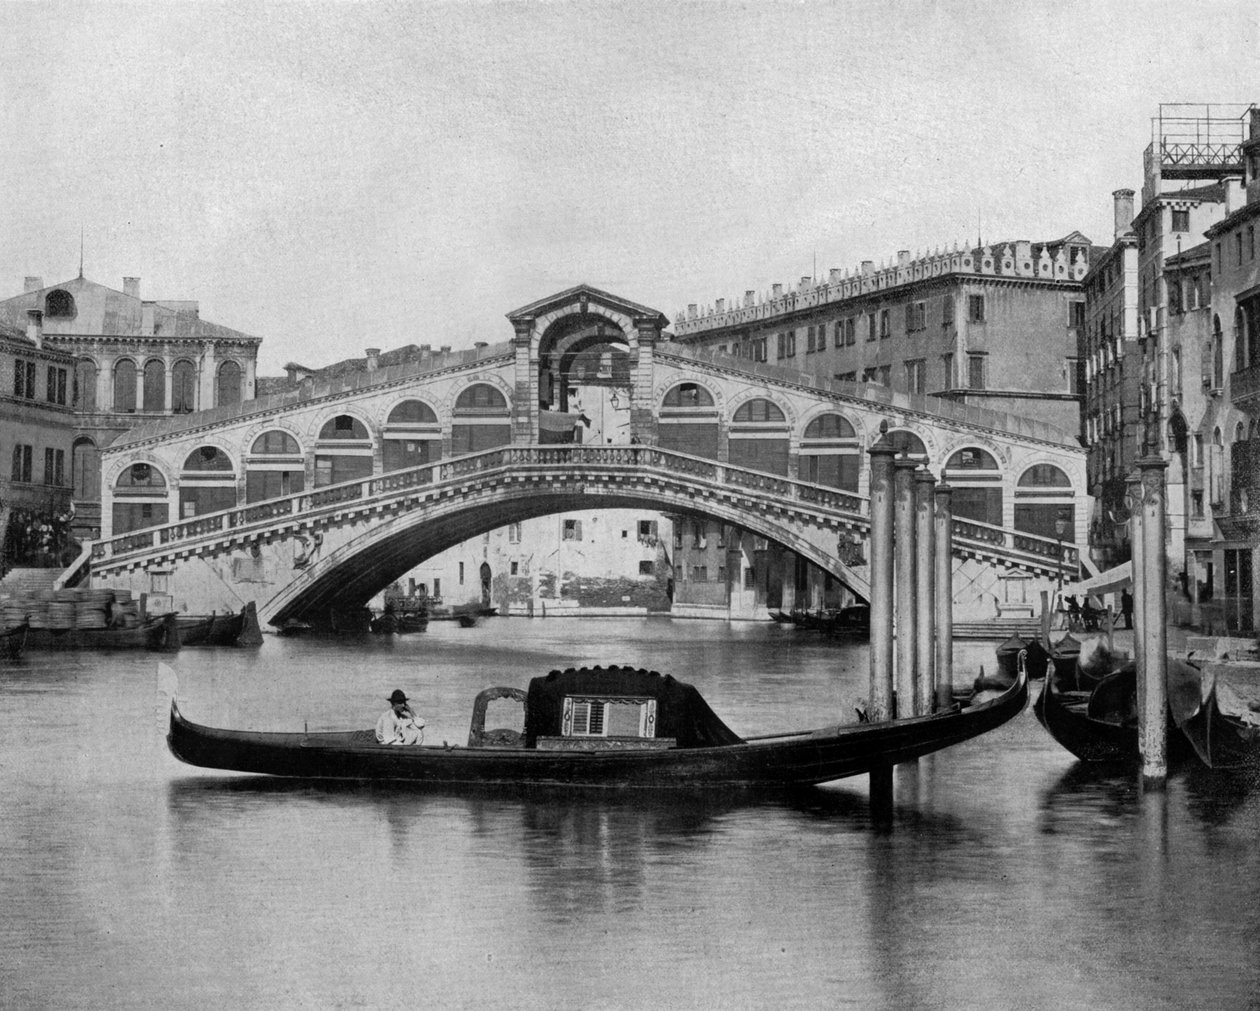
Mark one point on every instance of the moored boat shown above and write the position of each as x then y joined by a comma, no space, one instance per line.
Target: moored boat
161,633
600,727
239,629
12,640
1221,720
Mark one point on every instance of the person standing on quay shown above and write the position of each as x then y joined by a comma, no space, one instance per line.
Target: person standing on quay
399,724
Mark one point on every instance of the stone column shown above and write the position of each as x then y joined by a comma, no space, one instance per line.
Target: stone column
879,706
944,521
905,581
642,377
1152,714
925,590
525,392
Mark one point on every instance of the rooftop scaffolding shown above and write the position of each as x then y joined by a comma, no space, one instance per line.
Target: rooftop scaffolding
1195,141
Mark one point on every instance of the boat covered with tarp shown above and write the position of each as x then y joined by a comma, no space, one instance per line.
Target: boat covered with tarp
599,727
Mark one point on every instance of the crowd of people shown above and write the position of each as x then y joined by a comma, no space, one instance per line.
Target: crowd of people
35,539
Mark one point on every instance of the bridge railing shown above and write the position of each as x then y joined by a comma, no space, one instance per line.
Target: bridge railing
312,504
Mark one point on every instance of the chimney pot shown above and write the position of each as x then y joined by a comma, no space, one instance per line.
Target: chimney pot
750,296
33,284
691,310
721,305
445,349
373,358
35,327
131,287
481,344
1123,211
776,291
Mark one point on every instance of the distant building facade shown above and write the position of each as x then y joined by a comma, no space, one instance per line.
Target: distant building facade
36,433
995,326
134,360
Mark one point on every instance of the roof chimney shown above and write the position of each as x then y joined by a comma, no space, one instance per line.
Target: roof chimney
131,287
1124,211
35,327
33,284
749,296
373,358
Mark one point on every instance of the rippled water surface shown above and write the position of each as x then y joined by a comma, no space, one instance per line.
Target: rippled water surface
1012,876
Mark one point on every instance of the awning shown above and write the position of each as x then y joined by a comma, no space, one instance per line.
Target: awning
1111,581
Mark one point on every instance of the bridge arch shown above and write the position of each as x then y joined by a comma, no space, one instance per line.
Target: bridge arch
345,447
390,546
830,451
207,481
275,464
140,496
411,434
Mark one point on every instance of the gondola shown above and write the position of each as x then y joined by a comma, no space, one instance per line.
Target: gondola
1222,727
613,727
1100,723
240,629
160,633
12,640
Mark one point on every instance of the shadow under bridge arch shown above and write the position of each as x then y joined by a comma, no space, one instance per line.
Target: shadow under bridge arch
370,558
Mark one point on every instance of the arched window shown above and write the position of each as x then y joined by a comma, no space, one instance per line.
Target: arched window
759,437
183,387
207,483
973,474
276,443
228,387
125,386
208,458
85,467
154,386
85,385
482,420
1044,503
830,453
908,444
412,436
689,421
1218,354
139,499
343,451
275,467
59,303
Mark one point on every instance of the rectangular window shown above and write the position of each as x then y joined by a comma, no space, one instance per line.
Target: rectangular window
515,568
790,339
56,385
22,456
572,530
870,326
885,375
850,331
1180,220
759,350
646,568
885,326
699,573
514,533
916,316
1076,314
838,339
847,377
24,379
975,372
947,311
1238,246
750,578
782,342
975,308
947,372
811,338
1251,242
916,376
54,466
1073,368
461,573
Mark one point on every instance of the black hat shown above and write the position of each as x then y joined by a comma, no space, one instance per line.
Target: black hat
397,697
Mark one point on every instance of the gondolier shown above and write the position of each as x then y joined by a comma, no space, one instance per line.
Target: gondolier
399,724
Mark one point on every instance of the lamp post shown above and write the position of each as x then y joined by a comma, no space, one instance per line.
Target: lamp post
1060,528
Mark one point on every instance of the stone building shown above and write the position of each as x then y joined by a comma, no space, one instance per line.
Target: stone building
1111,363
36,433
994,326
134,360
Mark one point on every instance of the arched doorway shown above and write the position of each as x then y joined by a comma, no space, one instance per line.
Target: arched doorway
487,577
85,468
584,387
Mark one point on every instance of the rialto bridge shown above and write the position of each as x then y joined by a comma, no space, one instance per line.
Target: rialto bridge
319,497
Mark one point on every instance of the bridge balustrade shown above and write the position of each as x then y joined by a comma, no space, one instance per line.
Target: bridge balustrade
514,458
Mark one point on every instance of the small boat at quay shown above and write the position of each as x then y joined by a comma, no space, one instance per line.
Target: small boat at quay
160,633
1096,718
12,640
240,629
607,727
1220,714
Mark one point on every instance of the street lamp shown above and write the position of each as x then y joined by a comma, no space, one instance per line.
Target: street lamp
1060,528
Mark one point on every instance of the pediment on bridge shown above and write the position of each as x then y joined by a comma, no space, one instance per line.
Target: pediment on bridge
579,299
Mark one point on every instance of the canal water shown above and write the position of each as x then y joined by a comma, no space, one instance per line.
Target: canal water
1012,877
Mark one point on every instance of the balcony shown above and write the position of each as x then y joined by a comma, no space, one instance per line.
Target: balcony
1244,389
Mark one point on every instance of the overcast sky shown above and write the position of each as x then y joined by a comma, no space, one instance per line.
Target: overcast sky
337,176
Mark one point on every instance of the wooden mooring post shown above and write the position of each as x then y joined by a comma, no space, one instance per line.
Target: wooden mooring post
1152,714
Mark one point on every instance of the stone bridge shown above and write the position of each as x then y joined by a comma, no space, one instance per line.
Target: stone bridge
321,496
